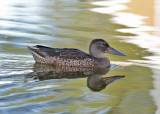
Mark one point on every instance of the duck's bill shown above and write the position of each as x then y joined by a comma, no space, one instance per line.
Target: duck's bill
112,79
115,52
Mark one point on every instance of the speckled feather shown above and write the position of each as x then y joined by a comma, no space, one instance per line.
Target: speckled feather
62,56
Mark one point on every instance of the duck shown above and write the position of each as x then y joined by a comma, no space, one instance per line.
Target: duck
75,57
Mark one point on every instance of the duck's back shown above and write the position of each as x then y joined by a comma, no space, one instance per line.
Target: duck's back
62,56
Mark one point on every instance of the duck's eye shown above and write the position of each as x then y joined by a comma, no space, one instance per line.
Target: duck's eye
104,44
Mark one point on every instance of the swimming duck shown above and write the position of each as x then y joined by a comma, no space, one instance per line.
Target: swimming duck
75,57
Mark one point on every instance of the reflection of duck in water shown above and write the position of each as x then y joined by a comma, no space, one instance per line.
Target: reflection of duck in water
98,83
95,81
75,57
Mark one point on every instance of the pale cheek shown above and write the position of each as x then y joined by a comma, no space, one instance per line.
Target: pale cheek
99,47
103,49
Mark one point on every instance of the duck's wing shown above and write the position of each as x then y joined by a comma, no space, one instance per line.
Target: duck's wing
66,53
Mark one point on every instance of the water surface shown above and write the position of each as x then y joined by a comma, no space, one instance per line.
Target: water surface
74,23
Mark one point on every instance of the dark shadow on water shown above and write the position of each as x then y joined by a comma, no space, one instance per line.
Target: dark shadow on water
95,81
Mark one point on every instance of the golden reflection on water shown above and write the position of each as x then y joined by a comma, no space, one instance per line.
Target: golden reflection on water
148,8
151,10
148,29
143,8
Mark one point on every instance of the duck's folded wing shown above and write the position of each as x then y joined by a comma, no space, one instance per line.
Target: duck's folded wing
66,53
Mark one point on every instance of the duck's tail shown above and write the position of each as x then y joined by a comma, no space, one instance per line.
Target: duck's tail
38,57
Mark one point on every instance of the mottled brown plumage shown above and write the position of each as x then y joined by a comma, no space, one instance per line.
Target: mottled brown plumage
75,57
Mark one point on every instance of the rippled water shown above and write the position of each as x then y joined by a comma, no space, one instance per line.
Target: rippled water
26,87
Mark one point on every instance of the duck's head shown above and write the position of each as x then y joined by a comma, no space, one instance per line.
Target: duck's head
98,47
